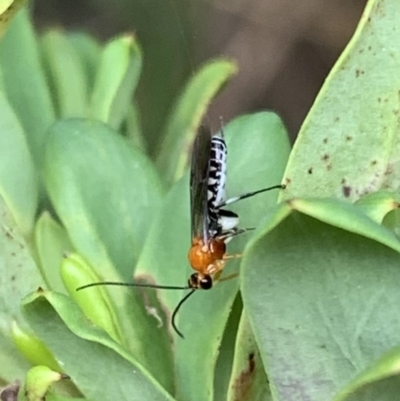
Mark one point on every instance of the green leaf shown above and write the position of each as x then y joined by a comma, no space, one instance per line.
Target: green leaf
95,303
378,382
105,192
13,364
392,221
203,318
223,365
51,243
116,80
322,300
89,51
17,172
21,68
183,122
248,379
347,217
32,348
378,204
8,8
133,129
59,397
38,381
66,74
349,143
87,354
19,276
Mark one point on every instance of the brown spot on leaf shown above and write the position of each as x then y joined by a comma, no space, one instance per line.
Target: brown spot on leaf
389,171
252,364
346,191
243,383
325,157
309,170
329,167
374,162
325,140
349,138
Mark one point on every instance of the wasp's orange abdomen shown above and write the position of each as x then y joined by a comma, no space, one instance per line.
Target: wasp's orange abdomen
202,255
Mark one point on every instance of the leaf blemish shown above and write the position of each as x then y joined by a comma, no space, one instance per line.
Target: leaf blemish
252,364
325,157
349,138
243,382
389,171
310,170
346,191
326,139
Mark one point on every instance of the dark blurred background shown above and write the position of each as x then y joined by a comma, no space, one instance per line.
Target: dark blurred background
284,48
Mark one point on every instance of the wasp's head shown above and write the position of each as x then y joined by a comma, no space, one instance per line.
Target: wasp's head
200,281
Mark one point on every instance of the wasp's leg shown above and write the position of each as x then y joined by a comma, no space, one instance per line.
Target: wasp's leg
228,235
233,256
248,195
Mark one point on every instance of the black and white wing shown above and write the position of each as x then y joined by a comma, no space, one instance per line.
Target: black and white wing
199,174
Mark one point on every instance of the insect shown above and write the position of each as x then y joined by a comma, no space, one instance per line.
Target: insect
211,225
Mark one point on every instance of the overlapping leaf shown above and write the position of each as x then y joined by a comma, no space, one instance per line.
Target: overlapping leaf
99,367
321,293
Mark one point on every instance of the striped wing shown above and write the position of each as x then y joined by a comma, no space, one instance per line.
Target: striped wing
198,184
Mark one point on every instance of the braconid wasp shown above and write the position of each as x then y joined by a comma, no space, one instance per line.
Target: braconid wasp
212,226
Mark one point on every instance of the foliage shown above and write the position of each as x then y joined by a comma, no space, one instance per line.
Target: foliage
82,200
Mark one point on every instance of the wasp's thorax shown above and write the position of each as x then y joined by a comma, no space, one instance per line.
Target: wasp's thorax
204,257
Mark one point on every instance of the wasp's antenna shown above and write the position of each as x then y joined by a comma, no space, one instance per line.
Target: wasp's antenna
248,195
161,287
222,123
176,310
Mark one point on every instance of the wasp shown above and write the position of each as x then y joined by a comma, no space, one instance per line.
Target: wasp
212,226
